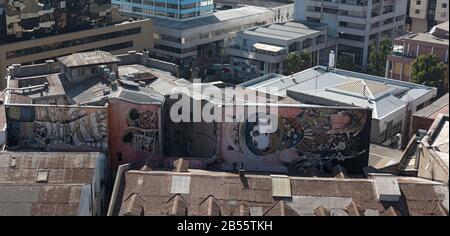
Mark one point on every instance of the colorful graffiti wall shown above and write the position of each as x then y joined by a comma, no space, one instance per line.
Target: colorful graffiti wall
57,128
306,140
134,131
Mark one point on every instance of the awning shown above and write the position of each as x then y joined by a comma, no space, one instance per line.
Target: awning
267,47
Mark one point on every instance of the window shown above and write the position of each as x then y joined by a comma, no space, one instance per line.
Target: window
444,5
443,14
417,11
417,2
312,19
148,2
137,9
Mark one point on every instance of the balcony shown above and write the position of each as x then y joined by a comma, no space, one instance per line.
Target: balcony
269,54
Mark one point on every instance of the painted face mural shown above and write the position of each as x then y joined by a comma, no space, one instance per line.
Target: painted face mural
310,137
142,131
58,127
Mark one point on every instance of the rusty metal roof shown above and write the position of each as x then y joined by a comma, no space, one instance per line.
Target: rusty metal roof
55,191
214,193
88,58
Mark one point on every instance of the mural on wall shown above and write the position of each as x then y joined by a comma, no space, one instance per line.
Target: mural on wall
134,130
142,130
305,138
52,127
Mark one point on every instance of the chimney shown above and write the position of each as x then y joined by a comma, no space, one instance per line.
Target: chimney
181,165
331,60
417,154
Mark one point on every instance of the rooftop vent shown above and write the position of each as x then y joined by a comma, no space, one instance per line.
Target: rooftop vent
42,176
387,189
180,184
281,186
13,162
106,92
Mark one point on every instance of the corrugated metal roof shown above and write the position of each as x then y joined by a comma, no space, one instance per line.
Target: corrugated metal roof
383,95
214,192
88,58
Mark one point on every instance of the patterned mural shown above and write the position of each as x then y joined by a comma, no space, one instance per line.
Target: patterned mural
53,127
306,138
134,131
142,130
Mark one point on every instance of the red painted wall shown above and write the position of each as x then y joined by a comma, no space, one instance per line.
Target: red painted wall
128,123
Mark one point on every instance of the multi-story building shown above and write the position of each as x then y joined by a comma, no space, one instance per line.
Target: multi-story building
263,50
169,9
425,14
199,42
116,38
408,47
356,24
194,35
33,31
29,19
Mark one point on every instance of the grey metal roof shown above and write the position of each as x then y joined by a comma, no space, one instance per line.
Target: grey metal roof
88,58
215,18
382,95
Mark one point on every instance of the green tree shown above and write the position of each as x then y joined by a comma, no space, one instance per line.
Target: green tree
345,62
377,57
298,61
428,70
